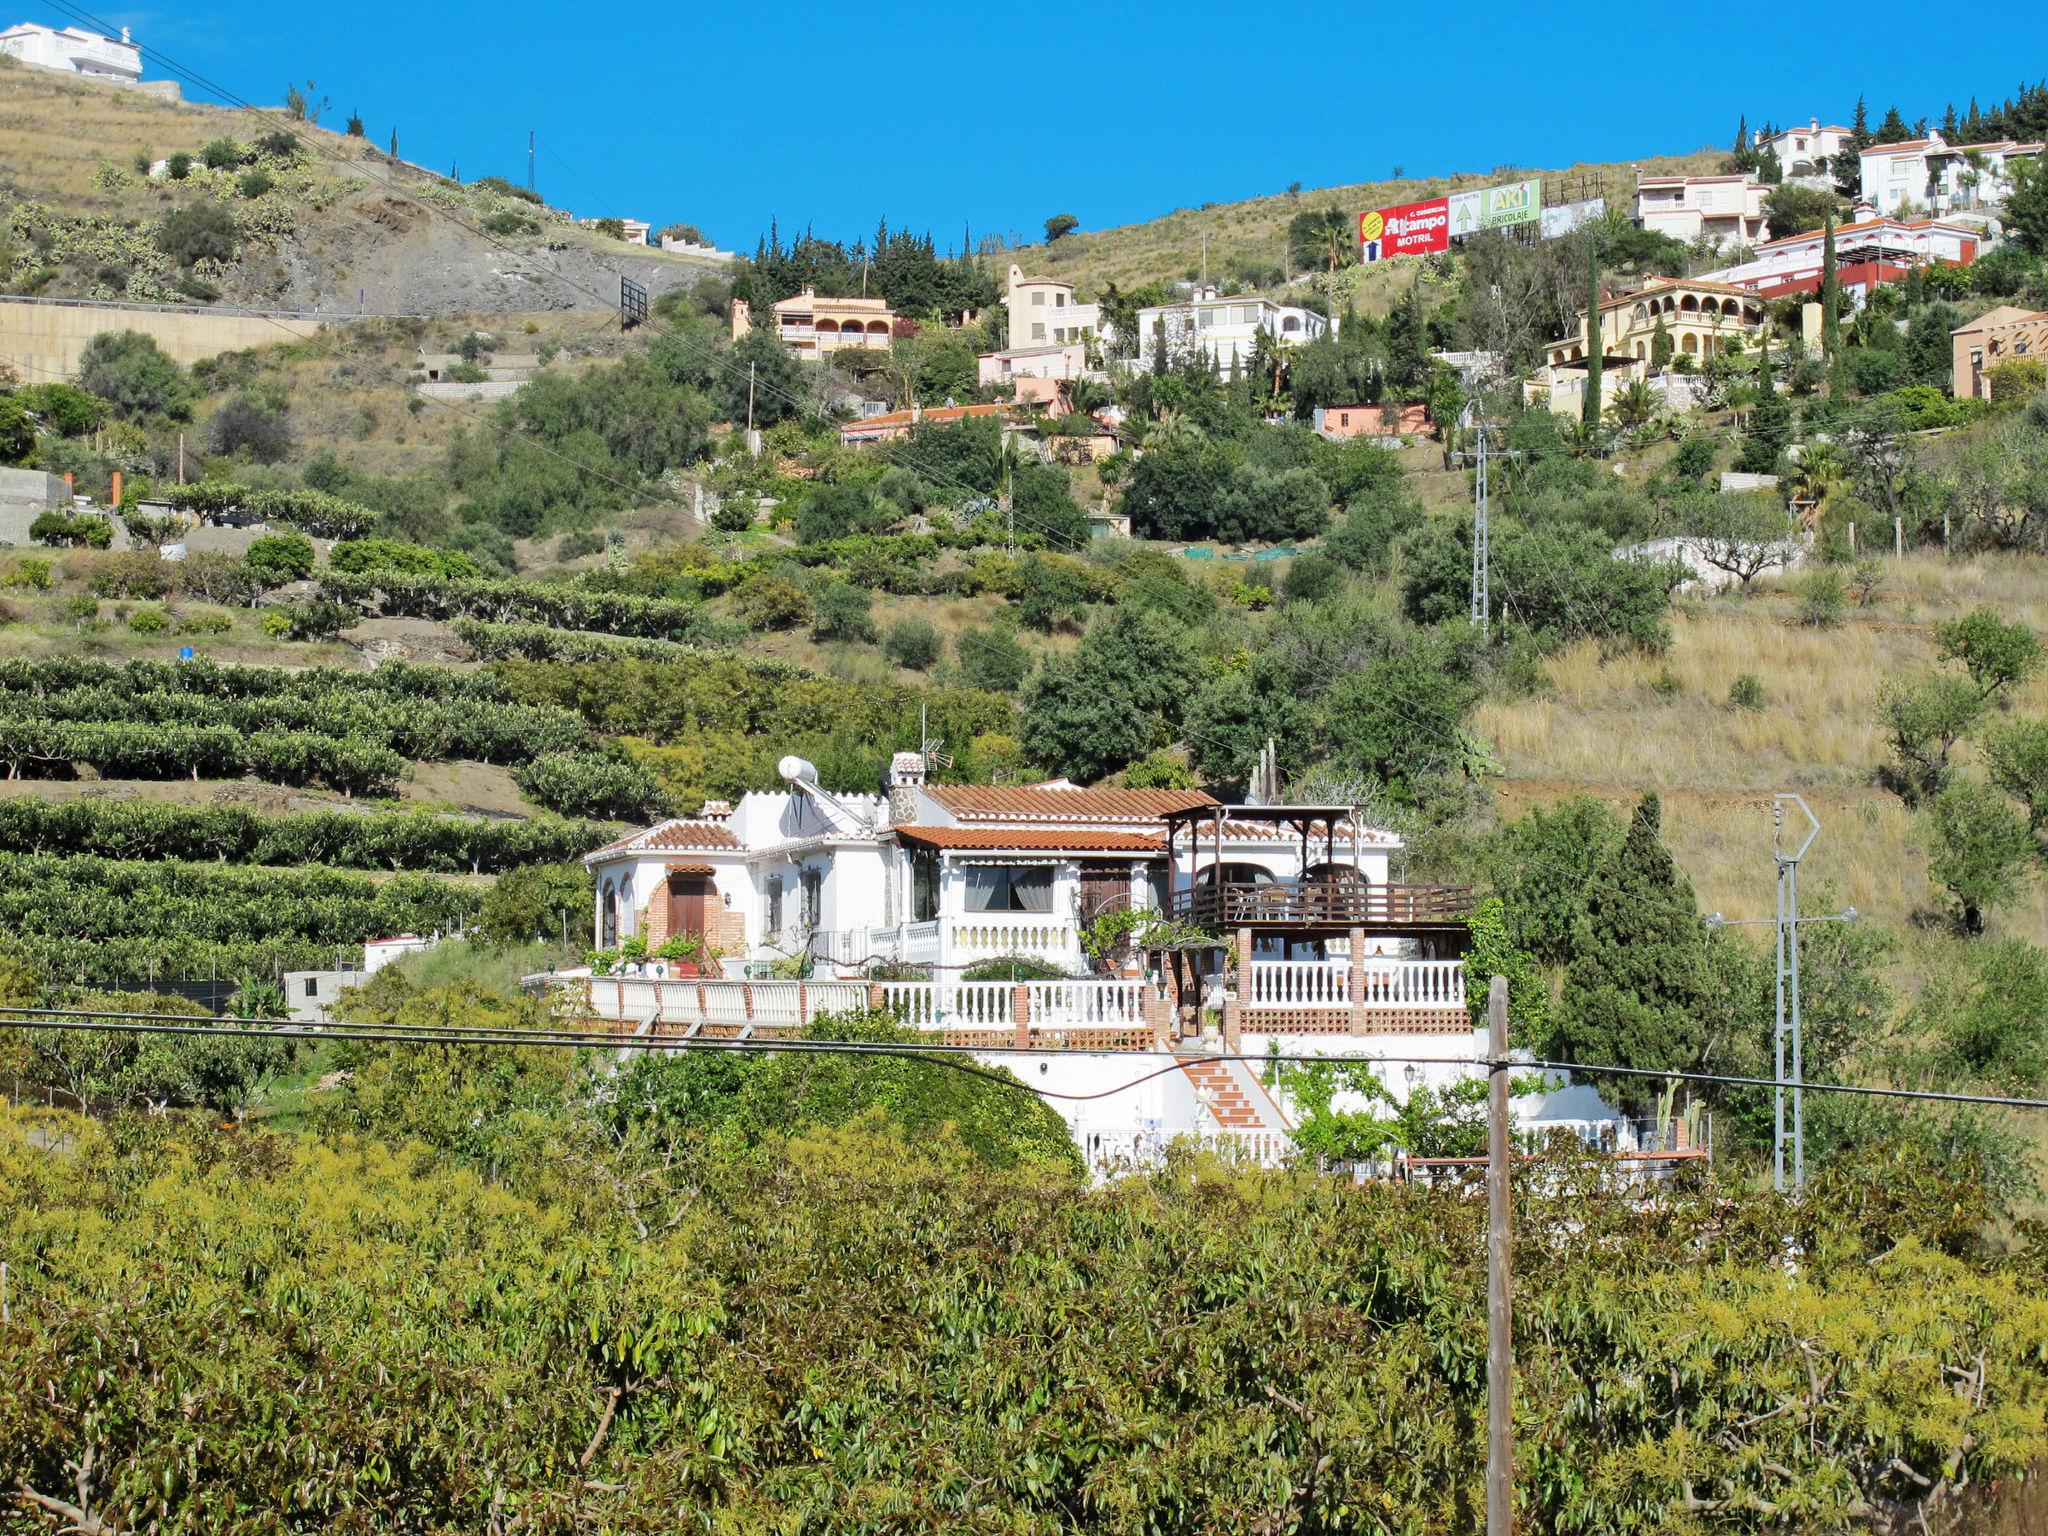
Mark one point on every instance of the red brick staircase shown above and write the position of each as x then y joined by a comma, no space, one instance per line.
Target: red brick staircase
1234,1096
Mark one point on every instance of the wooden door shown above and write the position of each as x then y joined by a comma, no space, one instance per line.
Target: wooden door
1101,887
689,904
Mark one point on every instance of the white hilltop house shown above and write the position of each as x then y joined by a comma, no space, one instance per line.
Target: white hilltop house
75,51
804,901
1224,328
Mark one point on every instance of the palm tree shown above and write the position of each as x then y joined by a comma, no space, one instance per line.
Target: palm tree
1084,396
1633,404
1817,475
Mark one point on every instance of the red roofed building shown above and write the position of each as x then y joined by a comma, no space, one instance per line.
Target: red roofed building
891,425
1867,252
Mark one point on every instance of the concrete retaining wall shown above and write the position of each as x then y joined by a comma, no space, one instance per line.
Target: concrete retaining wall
44,338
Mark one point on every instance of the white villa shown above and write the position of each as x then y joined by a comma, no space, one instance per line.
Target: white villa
1939,177
1224,328
1302,938
74,51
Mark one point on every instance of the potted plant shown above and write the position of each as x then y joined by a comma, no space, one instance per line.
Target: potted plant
691,953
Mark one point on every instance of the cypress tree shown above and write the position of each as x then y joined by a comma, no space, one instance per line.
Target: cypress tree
1590,411
1770,424
1830,293
1636,992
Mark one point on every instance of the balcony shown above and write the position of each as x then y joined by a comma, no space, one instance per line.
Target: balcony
1320,903
1383,983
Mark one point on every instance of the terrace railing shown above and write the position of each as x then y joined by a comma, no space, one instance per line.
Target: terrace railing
1321,903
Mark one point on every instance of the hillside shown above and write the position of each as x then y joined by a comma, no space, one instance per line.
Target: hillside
1253,234
340,225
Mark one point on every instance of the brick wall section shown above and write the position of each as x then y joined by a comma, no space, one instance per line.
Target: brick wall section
1360,1025
1020,1013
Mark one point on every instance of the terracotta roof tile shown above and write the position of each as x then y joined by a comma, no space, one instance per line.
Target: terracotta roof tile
1010,802
1037,839
678,832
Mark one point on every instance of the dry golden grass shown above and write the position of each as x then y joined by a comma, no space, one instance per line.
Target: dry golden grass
55,131
1616,728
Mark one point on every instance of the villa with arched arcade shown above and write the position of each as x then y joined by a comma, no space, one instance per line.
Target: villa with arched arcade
1699,318
813,325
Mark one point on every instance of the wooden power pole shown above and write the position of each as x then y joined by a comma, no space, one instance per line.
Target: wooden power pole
1500,1359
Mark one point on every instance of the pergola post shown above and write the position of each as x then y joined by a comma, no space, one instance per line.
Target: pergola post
1360,1023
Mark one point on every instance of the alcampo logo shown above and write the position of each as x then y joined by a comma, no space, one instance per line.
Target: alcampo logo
1371,225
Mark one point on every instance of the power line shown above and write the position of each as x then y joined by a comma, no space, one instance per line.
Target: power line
106,1021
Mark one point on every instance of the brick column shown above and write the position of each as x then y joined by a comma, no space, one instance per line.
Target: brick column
1158,1014
876,1001
1360,1024
1020,1012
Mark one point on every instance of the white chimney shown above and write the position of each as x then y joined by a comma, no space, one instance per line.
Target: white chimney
124,35
906,778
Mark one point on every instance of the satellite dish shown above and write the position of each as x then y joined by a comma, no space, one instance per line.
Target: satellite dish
797,771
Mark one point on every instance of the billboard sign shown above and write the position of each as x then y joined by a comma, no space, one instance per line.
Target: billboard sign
1514,202
1408,229
1566,217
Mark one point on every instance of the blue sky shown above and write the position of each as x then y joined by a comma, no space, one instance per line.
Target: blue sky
999,115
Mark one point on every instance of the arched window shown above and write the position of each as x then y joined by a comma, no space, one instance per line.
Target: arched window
608,936
1290,323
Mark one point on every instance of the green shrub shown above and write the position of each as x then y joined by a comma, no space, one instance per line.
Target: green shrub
1746,692
1822,597
197,232
591,784
178,166
62,528
135,376
281,557
993,659
31,571
839,611
254,182
148,621
766,601
914,643
204,621
220,154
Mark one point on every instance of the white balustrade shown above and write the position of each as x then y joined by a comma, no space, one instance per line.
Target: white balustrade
1414,983
1389,983
986,935
1300,984
1084,1004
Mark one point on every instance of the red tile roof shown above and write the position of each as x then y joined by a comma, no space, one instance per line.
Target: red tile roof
1010,802
890,420
1036,839
678,833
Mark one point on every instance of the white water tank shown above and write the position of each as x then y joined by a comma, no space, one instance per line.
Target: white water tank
797,770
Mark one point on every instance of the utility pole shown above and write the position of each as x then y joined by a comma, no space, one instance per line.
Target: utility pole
1482,604
1788,995
529,162
753,442
1500,1358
